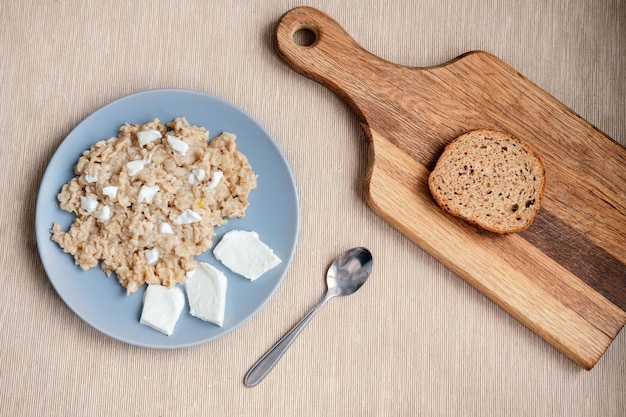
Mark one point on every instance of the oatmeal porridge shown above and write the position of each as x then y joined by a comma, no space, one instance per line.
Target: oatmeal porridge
147,201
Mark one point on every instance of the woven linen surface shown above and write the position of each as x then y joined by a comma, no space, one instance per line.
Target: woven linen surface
416,339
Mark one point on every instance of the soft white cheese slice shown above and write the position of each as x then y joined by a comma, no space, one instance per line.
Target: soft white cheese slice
187,217
166,229
88,203
103,214
152,255
245,254
147,193
206,293
110,191
178,145
215,179
147,136
162,307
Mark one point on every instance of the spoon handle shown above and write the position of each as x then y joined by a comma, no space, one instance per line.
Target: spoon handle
264,365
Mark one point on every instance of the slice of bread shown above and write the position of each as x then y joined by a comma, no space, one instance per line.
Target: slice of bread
490,179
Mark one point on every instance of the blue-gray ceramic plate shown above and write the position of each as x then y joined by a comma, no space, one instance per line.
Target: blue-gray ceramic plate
273,213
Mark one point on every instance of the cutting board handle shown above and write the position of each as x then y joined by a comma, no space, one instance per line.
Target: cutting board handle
334,59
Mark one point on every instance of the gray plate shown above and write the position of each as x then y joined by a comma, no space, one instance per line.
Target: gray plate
273,213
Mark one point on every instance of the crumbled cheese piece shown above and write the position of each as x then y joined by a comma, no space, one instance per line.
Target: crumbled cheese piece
89,178
166,229
196,174
152,255
215,179
162,307
245,254
89,204
206,293
133,167
147,193
187,217
147,136
110,191
103,214
178,145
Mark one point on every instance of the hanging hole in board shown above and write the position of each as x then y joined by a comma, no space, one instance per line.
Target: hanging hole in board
304,36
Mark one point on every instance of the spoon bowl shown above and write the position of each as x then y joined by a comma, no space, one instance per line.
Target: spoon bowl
349,271
345,276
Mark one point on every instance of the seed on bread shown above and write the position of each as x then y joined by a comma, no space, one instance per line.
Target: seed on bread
490,179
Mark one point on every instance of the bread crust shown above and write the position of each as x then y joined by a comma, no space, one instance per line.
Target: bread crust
490,179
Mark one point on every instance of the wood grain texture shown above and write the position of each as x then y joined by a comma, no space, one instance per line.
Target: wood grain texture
564,277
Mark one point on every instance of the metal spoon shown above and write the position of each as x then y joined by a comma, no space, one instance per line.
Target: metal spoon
346,275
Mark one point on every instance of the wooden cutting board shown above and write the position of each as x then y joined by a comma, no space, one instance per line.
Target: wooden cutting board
565,276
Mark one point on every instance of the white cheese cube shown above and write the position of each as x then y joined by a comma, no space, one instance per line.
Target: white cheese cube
133,167
110,191
147,193
215,179
178,145
88,204
103,214
147,136
162,307
152,255
206,293
198,173
166,229
187,217
245,254
89,178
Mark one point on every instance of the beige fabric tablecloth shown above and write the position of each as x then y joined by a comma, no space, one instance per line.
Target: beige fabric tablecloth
416,340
